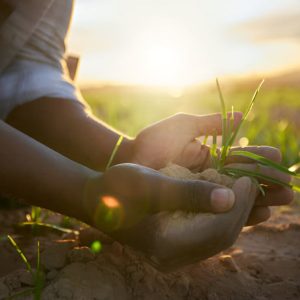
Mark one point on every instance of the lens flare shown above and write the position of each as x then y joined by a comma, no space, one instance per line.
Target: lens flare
110,201
96,247
109,213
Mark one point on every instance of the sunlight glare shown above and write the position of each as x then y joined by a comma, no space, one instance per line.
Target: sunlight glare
162,55
163,65
110,202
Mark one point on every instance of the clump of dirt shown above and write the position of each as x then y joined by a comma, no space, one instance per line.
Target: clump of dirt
211,175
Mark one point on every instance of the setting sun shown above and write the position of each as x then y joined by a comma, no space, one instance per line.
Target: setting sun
163,64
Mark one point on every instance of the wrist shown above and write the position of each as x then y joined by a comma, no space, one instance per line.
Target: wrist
89,198
101,210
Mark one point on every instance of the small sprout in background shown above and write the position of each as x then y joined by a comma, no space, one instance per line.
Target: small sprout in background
35,214
37,275
66,222
96,247
21,254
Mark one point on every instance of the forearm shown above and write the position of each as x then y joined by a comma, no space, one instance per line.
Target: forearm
66,127
40,175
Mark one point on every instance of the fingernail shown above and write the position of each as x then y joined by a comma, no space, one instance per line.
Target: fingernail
222,199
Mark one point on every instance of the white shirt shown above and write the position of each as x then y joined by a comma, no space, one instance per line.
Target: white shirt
47,43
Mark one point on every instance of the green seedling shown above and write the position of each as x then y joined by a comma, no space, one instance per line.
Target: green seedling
229,135
35,214
37,275
47,225
36,222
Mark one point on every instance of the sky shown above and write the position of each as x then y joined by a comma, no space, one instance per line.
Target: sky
182,42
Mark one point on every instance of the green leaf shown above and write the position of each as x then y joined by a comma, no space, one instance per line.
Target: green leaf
253,100
240,172
262,160
225,131
213,150
114,152
21,254
205,140
235,133
296,188
46,225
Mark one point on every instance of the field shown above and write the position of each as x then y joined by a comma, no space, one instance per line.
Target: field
273,121
262,264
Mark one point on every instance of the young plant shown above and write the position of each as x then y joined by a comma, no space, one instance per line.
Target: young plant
229,135
37,275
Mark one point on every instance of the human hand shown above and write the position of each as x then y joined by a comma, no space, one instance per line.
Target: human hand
275,195
174,239
126,194
174,140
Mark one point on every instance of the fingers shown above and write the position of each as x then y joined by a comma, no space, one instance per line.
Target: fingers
194,156
237,217
245,193
175,239
194,196
264,171
258,215
270,153
141,190
207,124
275,197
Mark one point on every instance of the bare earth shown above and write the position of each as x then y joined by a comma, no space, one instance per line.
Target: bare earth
263,264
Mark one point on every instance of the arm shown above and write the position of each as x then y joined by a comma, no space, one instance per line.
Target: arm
40,175
67,128
45,178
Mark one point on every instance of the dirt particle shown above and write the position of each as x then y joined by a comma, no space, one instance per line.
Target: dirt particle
229,263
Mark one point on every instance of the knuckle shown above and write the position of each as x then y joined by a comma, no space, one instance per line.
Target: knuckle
197,200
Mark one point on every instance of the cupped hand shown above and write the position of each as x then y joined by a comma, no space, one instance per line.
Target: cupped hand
174,140
275,195
174,239
126,194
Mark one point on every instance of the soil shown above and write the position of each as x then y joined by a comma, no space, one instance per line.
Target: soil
263,264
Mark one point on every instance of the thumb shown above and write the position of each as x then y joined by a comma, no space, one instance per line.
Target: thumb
245,192
195,196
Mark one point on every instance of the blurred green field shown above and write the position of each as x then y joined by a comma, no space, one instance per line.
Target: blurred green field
274,120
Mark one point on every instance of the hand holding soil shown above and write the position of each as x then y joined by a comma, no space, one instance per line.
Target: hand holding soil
128,193
174,239
174,140
170,219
